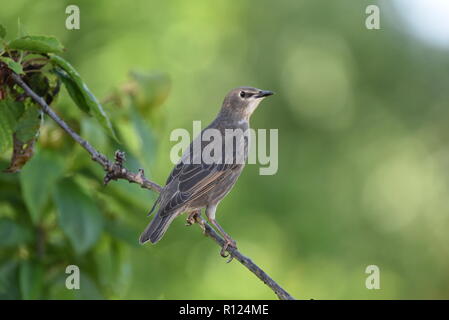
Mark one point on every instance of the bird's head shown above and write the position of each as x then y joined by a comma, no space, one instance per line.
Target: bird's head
241,102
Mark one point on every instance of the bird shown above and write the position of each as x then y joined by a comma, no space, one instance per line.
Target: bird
194,183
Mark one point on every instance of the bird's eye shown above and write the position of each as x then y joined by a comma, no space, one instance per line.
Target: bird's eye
242,94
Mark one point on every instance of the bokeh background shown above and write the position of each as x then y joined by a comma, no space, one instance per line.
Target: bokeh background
363,151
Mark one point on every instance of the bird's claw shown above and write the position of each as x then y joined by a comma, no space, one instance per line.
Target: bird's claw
228,243
191,219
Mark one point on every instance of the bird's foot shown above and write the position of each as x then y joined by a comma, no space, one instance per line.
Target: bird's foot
195,217
228,243
191,219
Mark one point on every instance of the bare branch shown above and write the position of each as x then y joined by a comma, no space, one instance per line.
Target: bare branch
116,170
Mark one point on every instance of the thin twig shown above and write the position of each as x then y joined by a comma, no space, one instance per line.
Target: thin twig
115,170
247,262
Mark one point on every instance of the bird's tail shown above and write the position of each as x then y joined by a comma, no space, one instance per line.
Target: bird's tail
154,206
156,229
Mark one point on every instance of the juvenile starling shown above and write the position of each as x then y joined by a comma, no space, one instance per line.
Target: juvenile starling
196,182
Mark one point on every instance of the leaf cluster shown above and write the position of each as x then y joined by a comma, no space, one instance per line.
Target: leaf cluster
54,212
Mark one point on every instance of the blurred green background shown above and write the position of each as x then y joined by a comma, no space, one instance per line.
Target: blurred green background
363,158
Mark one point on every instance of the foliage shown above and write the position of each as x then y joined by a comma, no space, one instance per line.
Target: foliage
49,218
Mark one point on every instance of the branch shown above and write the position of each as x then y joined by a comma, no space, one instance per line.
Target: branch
115,170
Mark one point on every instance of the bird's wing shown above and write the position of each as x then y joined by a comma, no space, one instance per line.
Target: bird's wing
194,180
237,155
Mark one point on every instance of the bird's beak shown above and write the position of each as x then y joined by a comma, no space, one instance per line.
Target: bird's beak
264,93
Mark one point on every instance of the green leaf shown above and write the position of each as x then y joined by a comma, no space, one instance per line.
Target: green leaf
79,217
24,138
12,234
31,280
2,32
29,123
10,111
13,65
81,94
40,44
75,93
37,180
